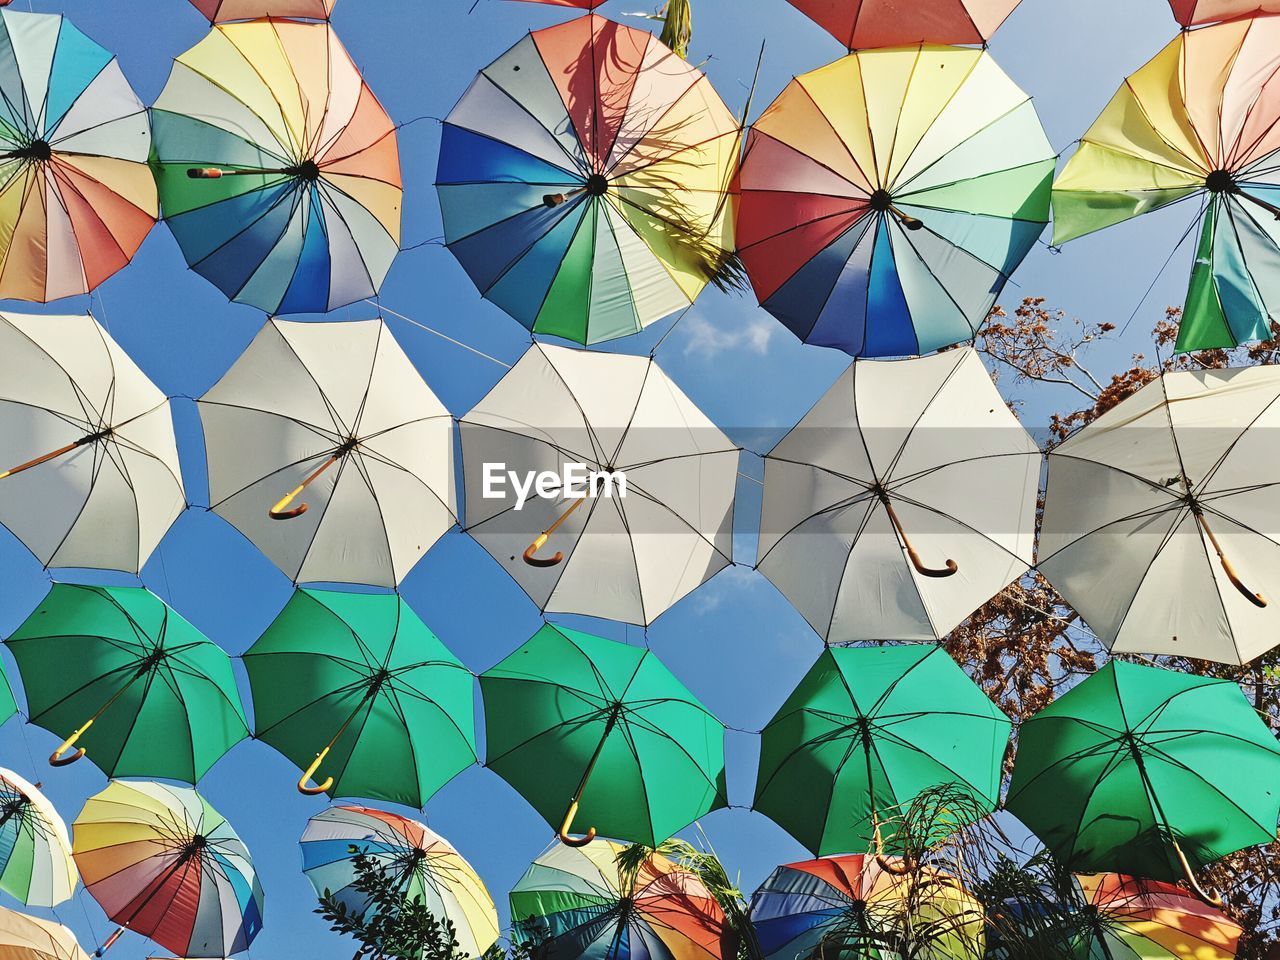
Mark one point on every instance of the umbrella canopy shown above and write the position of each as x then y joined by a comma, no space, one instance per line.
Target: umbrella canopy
887,197
8,706
580,4
144,690
572,715
91,476
364,673
164,864
35,848
221,11
279,171
1199,123
866,732
863,24
584,904
426,865
1171,493
76,197
583,181
1138,769
642,512
30,938
904,500
1192,13
330,453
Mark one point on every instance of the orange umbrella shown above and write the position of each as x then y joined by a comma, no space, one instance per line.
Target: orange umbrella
864,24
223,11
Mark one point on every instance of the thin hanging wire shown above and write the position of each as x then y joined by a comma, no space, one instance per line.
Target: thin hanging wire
443,336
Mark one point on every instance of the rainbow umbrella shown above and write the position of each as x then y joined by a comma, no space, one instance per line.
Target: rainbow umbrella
164,864
583,181
887,197
279,171
590,903
863,24
35,848
30,938
426,866
222,11
1192,13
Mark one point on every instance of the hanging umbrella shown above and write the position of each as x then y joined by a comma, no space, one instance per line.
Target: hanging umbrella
426,866
30,938
164,864
76,197
592,903
904,500
577,720
115,667
643,512
1199,123
1146,771
328,451
363,673
222,11
583,181
1158,518
35,848
1191,13
580,4
886,198
90,474
279,171
864,24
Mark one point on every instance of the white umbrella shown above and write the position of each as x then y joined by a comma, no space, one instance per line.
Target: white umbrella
903,501
656,523
329,452
89,473
1161,518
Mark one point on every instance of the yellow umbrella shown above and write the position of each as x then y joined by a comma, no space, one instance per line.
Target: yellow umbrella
29,938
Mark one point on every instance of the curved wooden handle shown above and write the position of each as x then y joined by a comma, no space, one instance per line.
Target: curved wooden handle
1212,898
1257,599
935,572
281,509
531,558
567,825
58,757
320,788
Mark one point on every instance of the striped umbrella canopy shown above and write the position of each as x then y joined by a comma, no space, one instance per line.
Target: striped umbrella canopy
35,847
223,11
1191,13
864,24
583,181
76,197
596,903
164,864
279,171
30,938
426,866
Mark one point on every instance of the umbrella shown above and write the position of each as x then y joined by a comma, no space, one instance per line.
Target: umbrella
887,197
8,706
76,197
279,171
904,500
656,477
426,866
596,903
859,907
35,848
222,11
115,667
329,452
363,673
580,4
90,474
1158,524
578,721
583,180
163,863
1192,13
1148,772
864,24
30,938
866,732
1199,123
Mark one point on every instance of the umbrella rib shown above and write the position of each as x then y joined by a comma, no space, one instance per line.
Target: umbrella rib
906,93
696,78
901,189
577,167
619,173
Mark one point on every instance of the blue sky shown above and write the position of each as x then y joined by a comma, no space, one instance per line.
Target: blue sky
736,643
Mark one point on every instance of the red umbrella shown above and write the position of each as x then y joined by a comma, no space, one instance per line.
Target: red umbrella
1192,13
863,24
580,4
222,11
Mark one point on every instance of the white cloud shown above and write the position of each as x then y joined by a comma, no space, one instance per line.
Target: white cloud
704,337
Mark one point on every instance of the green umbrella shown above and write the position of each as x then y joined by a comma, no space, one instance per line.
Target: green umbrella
359,680
115,667
575,720
1147,772
868,730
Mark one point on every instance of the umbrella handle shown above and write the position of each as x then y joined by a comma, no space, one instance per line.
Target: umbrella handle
1212,898
936,573
110,942
533,560
281,509
58,758
570,815
317,790
1257,599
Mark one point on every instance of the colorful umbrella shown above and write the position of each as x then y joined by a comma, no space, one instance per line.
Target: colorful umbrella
577,720
1158,521
115,667
580,4
363,673
1191,13
35,848
90,473
1198,122
76,197
886,198
1148,772
335,412
427,866
222,11
584,904
904,500
164,864
863,24
583,181
642,512
279,171
866,732
30,938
